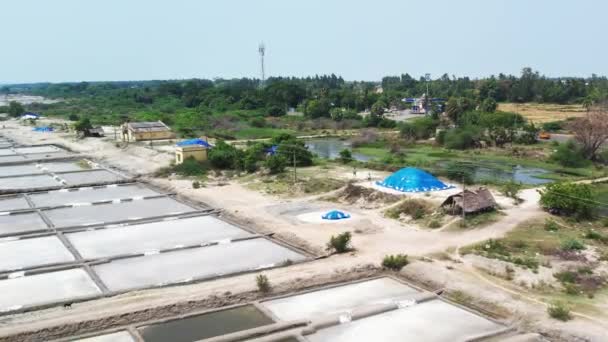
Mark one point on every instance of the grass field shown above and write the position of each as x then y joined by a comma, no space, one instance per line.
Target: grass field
540,112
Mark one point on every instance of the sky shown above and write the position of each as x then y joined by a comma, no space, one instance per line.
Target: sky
108,40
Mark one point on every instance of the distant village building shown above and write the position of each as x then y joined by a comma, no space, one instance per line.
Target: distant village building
192,148
95,132
197,152
470,201
142,131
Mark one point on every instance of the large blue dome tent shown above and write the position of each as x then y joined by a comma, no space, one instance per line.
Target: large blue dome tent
411,179
335,215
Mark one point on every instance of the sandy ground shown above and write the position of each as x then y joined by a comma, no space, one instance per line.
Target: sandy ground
374,236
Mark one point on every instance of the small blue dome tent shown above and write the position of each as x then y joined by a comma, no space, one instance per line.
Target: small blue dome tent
410,179
196,141
335,215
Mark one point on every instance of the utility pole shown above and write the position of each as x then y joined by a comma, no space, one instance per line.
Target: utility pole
464,189
295,176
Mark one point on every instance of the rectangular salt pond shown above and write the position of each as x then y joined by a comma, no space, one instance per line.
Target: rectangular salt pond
90,177
46,288
28,182
38,149
21,223
182,265
433,321
121,336
11,159
27,253
13,203
113,212
7,152
88,195
18,170
152,236
339,299
206,326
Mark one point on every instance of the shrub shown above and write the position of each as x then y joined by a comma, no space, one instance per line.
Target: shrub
434,224
595,235
196,185
276,111
224,156
346,156
73,117
416,208
257,122
190,167
565,199
559,311
340,243
566,277
462,138
276,164
572,245
552,126
569,155
395,262
460,172
511,189
551,225
263,283
421,128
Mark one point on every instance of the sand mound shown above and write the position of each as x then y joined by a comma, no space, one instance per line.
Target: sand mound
363,197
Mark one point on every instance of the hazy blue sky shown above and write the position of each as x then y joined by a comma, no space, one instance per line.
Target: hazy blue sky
74,40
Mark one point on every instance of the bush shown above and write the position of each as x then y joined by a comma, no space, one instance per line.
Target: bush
224,156
511,189
73,117
552,126
289,145
275,164
276,111
460,172
572,245
551,225
595,235
421,128
340,243
462,138
257,122
569,155
559,311
434,224
346,156
416,208
395,262
196,185
569,199
190,167
263,283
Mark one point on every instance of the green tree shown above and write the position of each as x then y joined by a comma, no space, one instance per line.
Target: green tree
15,109
317,108
569,155
224,156
488,105
276,110
82,126
275,164
346,156
569,199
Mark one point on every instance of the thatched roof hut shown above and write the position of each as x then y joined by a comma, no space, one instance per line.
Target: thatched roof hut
474,201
